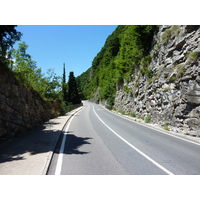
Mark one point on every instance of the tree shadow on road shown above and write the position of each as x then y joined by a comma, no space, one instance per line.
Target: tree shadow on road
39,140
73,143
35,141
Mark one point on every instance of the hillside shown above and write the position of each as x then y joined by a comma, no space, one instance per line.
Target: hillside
116,61
150,72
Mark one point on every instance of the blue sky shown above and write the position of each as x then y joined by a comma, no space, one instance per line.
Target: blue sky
75,45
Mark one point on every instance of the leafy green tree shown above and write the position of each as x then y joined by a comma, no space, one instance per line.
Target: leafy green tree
52,85
8,36
28,74
144,36
73,94
25,68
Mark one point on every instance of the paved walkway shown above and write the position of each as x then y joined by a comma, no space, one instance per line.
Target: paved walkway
30,153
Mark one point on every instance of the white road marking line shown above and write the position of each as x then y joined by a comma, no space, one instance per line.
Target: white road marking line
136,149
60,156
153,128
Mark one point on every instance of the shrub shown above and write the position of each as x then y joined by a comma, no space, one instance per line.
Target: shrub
166,35
193,56
122,112
148,119
166,127
133,114
170,33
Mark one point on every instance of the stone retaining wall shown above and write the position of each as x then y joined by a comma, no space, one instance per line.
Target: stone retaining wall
20,109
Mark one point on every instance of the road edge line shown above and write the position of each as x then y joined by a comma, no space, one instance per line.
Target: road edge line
60,156
151,126
50,156
133,147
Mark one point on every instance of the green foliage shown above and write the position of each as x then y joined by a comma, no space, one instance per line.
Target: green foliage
27,73
144,66
166,127
50,87
73,94
53,85
8,36
193,56
180,69
170,33
122,112
166,35
124,51
25,68
146,71
133,114
148,119
64,85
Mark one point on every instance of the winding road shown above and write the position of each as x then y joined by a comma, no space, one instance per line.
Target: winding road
97,141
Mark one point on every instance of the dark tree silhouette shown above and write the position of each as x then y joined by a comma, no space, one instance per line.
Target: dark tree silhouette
73,95
8,36
64,86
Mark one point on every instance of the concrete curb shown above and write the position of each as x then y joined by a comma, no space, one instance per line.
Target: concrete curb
49,158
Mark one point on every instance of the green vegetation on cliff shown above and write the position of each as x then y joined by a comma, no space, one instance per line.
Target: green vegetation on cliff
125,51
51,88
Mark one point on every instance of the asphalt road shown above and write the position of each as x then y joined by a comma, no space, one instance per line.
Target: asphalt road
99,142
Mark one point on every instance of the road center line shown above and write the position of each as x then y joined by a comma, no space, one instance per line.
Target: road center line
133,147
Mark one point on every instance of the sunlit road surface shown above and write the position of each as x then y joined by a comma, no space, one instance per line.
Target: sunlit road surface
99,142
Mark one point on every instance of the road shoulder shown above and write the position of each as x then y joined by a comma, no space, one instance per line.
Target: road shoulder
183,136
30,153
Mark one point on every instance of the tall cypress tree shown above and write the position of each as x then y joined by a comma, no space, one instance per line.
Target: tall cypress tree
64,88
73,95
64,76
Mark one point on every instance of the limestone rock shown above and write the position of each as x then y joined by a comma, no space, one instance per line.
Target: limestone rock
194,95
172,96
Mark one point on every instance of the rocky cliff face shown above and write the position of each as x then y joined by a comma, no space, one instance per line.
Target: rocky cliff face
171,97
20,109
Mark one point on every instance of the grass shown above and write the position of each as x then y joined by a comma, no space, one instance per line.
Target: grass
170,33
166,35
122,112
180,69
166,89
166,127
193,56
147,119
132,114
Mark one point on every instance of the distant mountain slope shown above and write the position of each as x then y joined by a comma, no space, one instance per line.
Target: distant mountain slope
116,61
149,72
